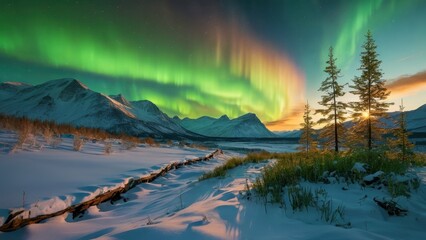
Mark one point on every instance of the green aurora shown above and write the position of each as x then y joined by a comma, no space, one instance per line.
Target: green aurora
192,58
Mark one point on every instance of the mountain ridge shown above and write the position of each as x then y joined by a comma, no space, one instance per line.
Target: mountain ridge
245,126
68,100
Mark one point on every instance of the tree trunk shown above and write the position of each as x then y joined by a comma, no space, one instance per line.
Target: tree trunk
369,116
336,140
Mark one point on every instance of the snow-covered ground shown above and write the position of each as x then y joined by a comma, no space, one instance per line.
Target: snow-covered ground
60,176
178,206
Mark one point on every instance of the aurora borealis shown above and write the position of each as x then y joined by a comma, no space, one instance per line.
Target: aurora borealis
195,58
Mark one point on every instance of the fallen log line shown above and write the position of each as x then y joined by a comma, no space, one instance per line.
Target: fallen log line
16,221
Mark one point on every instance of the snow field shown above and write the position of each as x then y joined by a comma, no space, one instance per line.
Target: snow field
178,206
50,179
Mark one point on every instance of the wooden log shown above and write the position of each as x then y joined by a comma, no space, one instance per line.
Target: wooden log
391,207
13,215
19,222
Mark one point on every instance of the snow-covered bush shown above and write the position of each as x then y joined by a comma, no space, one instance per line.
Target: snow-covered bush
78,142
108,146
128,145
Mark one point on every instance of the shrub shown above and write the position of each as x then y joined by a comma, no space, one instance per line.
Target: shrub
300,198
291,168
150,141
198,146
78,142
169,143
396,188
128,145
56,141
24,132
47,134
28,131
108,147
330,215
221,170
419,159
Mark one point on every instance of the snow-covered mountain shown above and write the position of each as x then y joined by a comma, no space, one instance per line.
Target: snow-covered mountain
8,89
246,126
289,134
149,112
416,119
70,101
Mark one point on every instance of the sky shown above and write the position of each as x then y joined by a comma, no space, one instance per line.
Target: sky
196,58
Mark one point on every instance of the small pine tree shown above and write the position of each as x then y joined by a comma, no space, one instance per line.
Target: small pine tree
400,142
372,93
333,115
307,142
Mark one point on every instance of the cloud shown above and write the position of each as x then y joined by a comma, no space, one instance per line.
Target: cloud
406,84
290,122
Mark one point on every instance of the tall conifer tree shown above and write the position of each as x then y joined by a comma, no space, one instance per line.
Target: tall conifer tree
372,93
333,114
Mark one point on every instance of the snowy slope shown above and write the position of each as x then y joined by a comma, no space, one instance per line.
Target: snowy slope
66,101
248,126
148,112
196,125
8,89
70,101
60,171
415,119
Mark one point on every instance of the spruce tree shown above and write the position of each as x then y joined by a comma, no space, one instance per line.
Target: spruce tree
307,142
372,93
401,143
333,114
